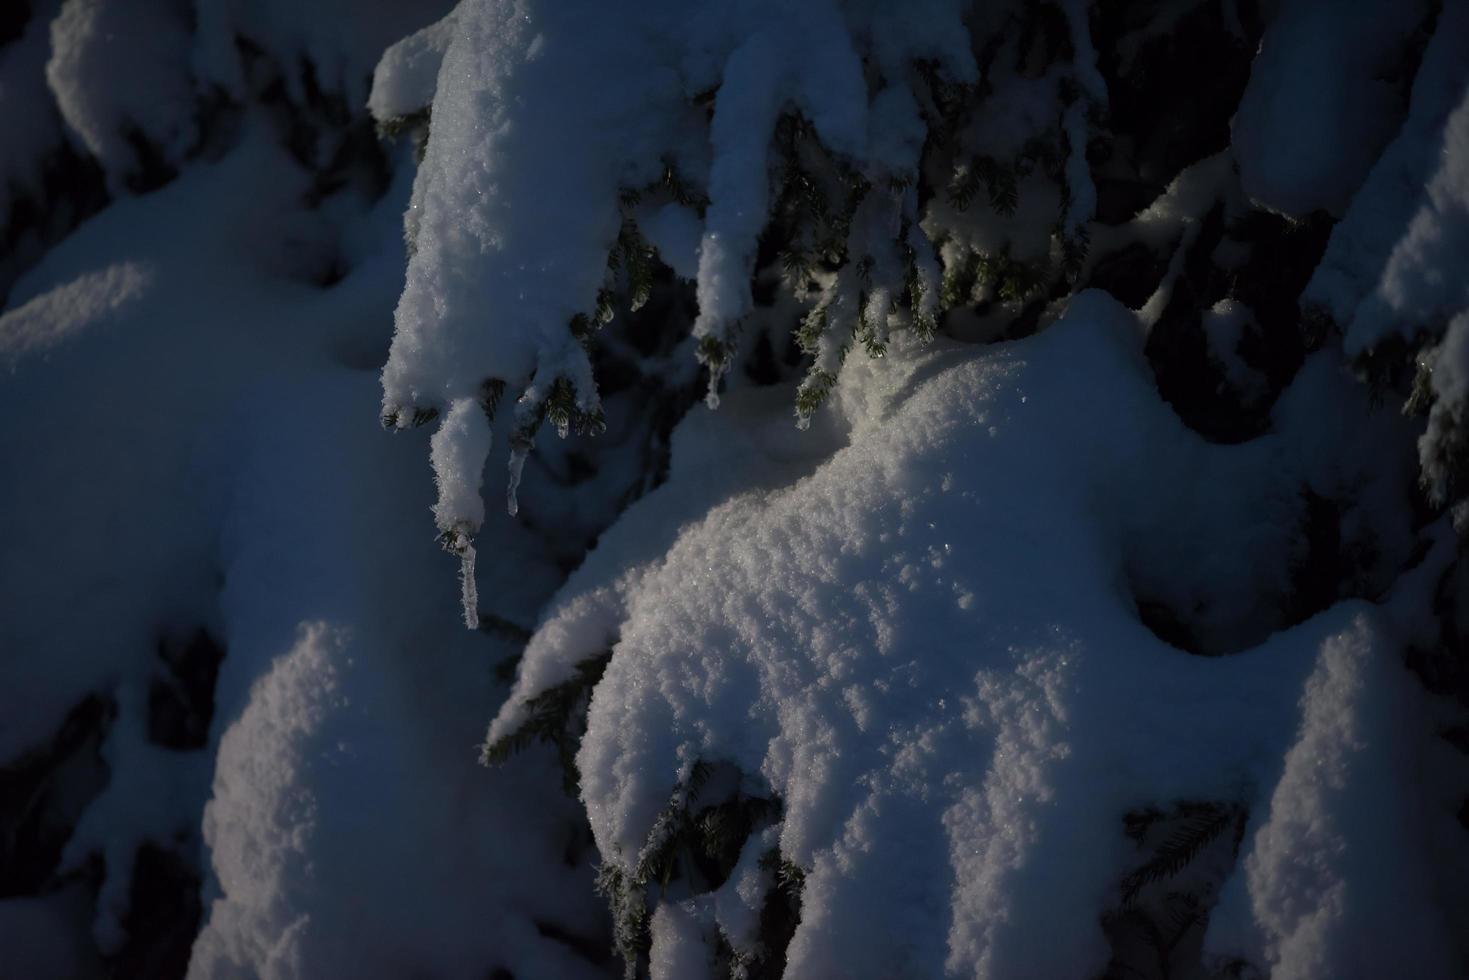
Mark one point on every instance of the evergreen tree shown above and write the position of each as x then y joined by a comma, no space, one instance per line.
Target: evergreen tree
985,488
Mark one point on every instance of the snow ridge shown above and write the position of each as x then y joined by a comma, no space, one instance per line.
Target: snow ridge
927,660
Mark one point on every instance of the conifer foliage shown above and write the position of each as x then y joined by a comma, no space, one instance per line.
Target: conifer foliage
984,482
851,179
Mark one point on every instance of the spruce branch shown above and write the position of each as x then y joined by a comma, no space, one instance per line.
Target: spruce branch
1198,825
555,716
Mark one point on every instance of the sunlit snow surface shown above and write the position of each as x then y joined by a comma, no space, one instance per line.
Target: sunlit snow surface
927,647
915,623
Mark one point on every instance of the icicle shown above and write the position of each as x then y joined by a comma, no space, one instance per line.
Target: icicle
712,398
458,451
512,489
469,593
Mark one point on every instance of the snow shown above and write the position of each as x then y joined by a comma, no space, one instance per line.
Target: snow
89,302
737,904
516,206
128,78
458,451
674,231
1338,852
744,115
924,29
102,314
914,620
1176,216
952,713
679,949
407,76
1413,288
119,71
1383,275
1448,419
478,240
325,784
895,130
196,424
322,795
1320,104
1367,234
1225,325
1079,23
148,792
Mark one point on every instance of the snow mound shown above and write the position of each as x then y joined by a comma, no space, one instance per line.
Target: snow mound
407,75
1373,225
87,302
131,78
545,112
192,450
1337,862
926,650
120,75
1320,103
1414,292
322,793
1383,278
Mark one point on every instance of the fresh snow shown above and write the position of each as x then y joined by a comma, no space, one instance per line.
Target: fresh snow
86,303
915,616
1320,104
1337,852
1413,286
228,409
939,670
499,268
95,43
1394,190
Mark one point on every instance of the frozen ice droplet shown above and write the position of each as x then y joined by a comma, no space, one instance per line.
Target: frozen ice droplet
512,488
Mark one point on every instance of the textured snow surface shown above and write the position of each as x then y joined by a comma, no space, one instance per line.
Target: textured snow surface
1448,419
1395,189
120,70
682,944
500,266
85,303
926,647
917,623
228,407
112,311
1320,103
128,77
1415,286
407,76
485,227
1387,272
1338,853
